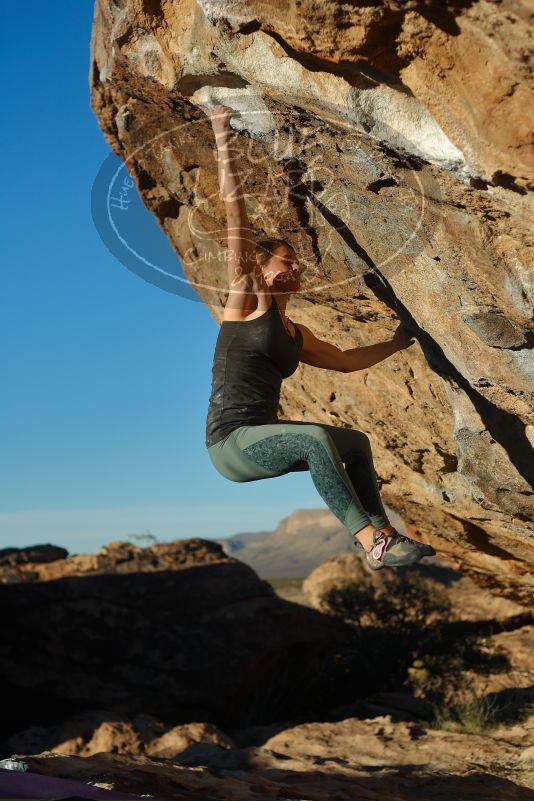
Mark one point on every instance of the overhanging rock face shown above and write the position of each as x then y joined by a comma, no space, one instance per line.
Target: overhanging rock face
389,142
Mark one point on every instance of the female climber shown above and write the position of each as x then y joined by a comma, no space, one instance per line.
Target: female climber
257,347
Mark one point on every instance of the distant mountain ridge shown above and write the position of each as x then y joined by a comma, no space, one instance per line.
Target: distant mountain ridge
237,542
297,546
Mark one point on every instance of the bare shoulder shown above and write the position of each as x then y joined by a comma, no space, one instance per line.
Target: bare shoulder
258,306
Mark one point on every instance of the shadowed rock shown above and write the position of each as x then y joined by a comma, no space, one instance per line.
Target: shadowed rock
178,630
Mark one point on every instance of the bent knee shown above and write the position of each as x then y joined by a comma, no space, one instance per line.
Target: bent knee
360,444
365,440
319,433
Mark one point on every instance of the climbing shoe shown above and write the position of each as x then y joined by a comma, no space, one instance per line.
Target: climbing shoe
393,550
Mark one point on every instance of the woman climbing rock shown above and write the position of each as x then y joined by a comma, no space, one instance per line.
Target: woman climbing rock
257,347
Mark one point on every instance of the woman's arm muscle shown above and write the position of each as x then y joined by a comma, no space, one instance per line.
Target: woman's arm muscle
245,279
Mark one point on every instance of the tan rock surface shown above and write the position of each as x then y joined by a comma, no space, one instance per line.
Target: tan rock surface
120,557
350,759
339,570
391,143
94,733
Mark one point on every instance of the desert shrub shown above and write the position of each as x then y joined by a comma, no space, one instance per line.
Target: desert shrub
394,625
407,603
405,637
485,713
477,717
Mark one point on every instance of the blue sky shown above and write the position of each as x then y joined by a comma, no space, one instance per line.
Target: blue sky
106,377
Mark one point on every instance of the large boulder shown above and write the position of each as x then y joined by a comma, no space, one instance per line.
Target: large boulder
177,630
390,142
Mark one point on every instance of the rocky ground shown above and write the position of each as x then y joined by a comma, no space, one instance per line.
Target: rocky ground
352,758
386,744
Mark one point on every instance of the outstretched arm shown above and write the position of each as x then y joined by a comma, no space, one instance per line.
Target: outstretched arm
244,277
320,353
231,190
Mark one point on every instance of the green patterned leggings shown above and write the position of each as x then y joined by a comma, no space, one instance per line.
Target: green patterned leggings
351,492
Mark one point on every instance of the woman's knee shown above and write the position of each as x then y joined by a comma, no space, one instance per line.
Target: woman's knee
360,440
320,442
319,433
366,442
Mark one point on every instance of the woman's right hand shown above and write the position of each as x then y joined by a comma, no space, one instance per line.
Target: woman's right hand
220,118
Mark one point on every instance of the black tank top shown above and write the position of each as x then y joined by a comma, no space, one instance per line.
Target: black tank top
251,359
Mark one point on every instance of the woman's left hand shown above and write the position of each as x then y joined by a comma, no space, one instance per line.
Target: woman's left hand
403,337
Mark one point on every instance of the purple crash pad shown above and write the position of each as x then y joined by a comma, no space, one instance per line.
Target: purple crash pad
14,784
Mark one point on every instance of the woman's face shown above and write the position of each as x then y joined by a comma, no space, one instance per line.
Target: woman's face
282,270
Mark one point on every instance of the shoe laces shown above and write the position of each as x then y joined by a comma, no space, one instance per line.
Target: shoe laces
395,535
403,538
